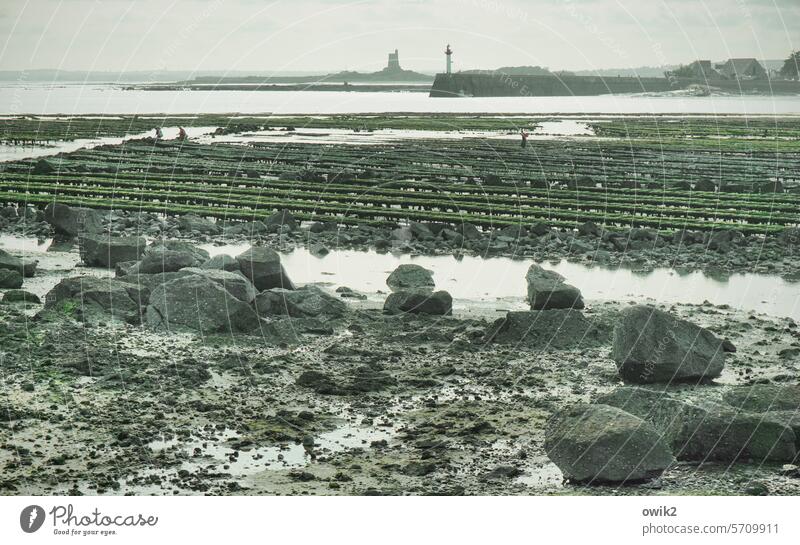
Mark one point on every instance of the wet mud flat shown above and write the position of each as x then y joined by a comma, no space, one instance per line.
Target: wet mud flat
366,403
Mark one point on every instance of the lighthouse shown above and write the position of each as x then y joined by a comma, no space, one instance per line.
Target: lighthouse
449,53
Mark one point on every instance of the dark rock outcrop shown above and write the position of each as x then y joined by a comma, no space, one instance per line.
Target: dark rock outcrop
556,329
196,303
548,290
706,430
24,267
69,222
601,444
221,262
653,346
438,303
306,302
94,299
10,279
107,251
20,296
410,276
263,267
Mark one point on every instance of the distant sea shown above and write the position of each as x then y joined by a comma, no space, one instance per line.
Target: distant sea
73,99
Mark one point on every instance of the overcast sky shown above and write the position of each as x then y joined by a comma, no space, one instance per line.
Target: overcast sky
330,35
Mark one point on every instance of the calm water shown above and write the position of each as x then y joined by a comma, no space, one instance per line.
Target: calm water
107,99
496,282
501,281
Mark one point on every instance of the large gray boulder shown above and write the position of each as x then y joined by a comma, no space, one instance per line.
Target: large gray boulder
69,222
191,223
235,283
548,290
700,431
601,444
760,398
283,219
25,267
263,267
162,260
306,302
411,277
652,346
551,329
199,254
222,262
20,296
94,299
107,251
10,279
198,304
438,303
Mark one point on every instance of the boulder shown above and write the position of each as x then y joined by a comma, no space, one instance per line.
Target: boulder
468,231
96,299
70,222
281,220
235,282
222,262
10,279
725,240
438,303
9,213
700,431
200,255
20,296
25,267
306,302
597,444
191,223
263,267
196,303
420,231
411,277
590,229
107,251
552,329
764,397
650,345
163,260
548,290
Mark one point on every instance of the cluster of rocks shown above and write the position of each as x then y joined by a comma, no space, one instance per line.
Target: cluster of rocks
634,433
413,292
555,320
175,286
13,270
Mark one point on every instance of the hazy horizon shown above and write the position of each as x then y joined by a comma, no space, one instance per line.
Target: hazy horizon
320,36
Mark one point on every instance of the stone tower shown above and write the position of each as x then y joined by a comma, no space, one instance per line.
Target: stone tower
394,62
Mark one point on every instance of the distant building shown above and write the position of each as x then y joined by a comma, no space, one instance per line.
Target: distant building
394,62
742,69
703,70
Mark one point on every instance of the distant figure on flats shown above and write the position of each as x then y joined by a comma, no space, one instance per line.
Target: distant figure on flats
159,134
524,136
182,134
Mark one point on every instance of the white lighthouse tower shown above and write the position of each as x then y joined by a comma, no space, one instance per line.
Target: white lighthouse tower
449,53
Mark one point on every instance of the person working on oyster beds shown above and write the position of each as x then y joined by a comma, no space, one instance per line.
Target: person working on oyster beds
524,136
182,134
